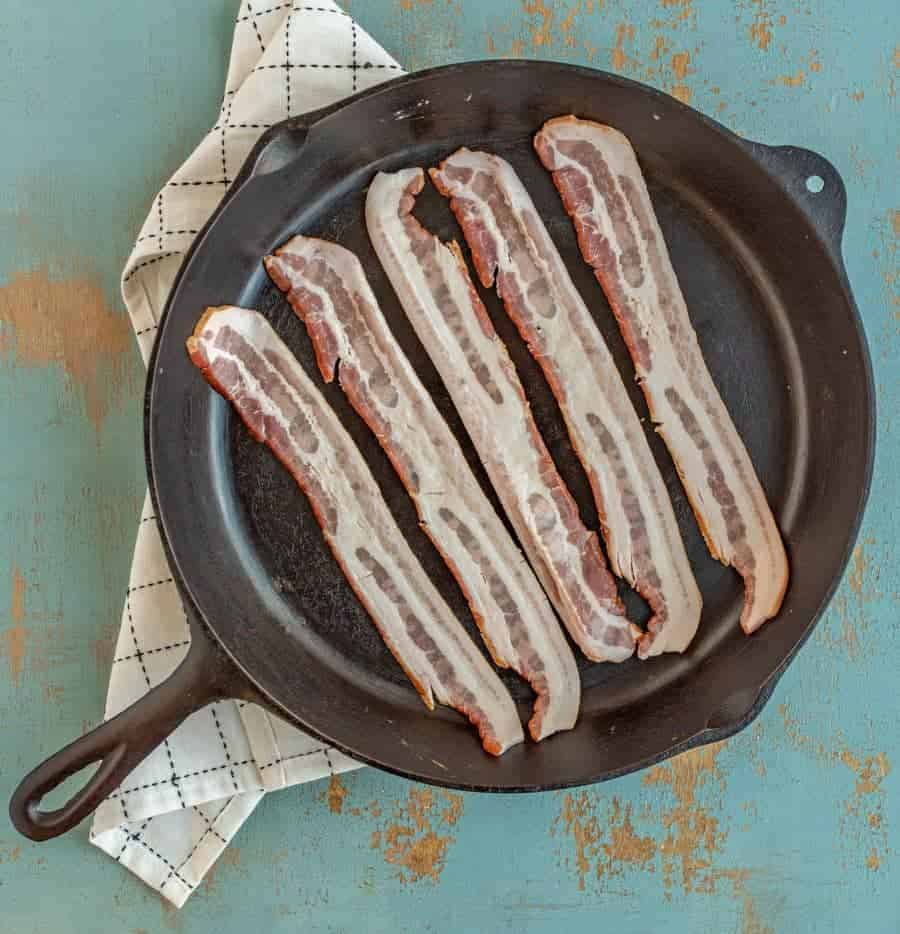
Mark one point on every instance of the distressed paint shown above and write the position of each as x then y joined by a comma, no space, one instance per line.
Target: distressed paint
789,827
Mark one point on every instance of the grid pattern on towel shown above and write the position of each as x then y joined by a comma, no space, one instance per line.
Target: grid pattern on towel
172,817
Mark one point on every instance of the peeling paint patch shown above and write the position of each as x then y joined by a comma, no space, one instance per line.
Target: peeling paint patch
337,792
792,81
852,609
626,848
675,838
619,58
761,29
751,922
454,810
678,13
16,635
543,16
693,836
861,816
578,820
413,840
680,66
68,323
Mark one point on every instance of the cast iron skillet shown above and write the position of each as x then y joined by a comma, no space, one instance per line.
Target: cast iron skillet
272,618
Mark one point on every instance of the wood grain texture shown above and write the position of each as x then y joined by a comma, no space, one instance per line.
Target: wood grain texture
790,827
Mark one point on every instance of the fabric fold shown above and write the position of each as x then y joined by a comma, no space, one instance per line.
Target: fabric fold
172,817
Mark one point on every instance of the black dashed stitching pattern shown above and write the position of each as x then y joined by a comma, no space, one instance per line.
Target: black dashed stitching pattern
131,838
215,717
166,233
288,66
140,657
164,580
172,870
211,181
223,135
209,825
153,259
163,781
159,209
252,20
193,850
162,648
287,62
353,51
146,330
296,755
271,9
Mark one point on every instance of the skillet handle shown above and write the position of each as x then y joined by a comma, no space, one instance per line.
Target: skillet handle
814,184
122,743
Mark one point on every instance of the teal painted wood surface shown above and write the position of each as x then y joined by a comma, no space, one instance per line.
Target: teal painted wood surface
790,827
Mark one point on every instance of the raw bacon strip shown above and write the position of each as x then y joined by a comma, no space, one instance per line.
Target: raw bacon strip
244,360
327,288
507,236
603,189
437,294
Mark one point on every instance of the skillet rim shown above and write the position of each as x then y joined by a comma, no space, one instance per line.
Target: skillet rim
828,232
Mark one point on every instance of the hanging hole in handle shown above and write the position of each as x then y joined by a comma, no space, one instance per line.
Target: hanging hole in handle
815,184
60,795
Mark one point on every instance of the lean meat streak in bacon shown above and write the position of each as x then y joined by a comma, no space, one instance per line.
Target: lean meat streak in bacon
434,288
244,359
596,172
508,239
327,287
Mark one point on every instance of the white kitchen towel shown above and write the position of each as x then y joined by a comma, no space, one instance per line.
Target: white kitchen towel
173,816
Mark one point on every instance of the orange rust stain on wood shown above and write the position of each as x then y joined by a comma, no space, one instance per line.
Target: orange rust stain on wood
609,842
680,65
761,27
873,861
454,810
751,922
12,855
53,693
895,222
412,841
619,58
422,857
692,836
566,24
578,819
678,12
861,820
625,848
105,647
16,636
684,8
870,772
337,792
540,30
793,81
660,48
67,322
